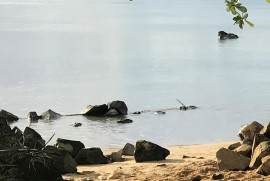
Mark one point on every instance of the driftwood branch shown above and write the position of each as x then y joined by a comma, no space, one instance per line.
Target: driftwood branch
48,140
180,102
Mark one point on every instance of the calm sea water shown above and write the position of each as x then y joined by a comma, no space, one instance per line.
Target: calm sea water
66,54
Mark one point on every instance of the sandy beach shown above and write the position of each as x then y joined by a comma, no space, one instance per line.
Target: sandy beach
183,163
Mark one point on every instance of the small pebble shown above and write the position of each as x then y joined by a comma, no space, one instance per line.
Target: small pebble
218,176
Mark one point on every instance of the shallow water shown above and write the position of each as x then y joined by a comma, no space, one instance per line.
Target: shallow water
65,55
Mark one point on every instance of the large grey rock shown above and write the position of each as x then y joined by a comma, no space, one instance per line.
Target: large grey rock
266,130
230,160
119,106
98,110
250,130
116,156
91,156
33,117
262,150
258,138
50,115
32,139
9,117
147,151
71,146
63,161
128,150
264,169
244,150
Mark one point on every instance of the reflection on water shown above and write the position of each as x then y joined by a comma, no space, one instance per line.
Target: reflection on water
64,55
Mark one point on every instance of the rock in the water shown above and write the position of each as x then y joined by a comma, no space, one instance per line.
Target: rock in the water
266,130
250,130
264,169
63,160
244,150
123,121
77,124
71,146
147,151
262,150
33,117
98,110
230,160
234,146
222,35
258,138
50,115
119,106
32,139
9,117
91,156
116,156
111,112
128,150
159,112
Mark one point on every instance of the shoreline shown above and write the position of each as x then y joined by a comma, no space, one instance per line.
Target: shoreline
184,163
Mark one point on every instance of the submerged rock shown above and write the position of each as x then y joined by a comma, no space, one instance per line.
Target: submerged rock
33,117
50,115
222,35
123,121
98,110
119,106
147,151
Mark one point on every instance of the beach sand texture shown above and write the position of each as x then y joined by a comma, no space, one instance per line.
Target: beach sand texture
183,164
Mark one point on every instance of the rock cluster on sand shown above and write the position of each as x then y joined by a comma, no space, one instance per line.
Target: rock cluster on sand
253,152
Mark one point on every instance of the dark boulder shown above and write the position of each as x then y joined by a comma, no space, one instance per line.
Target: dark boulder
119,106
98,110
33,117
32,139
9,117
64,162
147,151
50,115
128,150
71,146
115,156
91,156
37,166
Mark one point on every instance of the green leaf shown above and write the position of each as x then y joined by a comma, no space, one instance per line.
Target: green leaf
242,9
249,23
233,10
241,24
268,1
245,16
228,8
